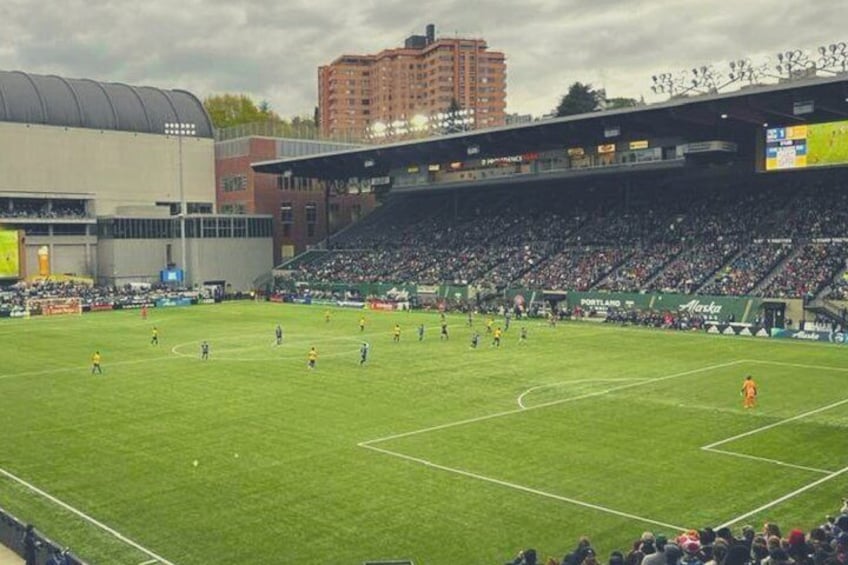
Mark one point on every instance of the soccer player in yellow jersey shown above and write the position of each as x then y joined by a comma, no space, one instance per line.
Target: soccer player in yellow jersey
489,323
327,316
154,337
95,363
396,333
749,392
313,358
496,341
362,324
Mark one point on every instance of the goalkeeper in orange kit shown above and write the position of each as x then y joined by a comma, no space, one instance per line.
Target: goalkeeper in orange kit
749,392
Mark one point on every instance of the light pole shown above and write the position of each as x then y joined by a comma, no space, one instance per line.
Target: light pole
181,130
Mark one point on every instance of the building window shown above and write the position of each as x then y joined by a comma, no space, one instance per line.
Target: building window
287,218
286,213
311,212
225,227
199,207
210,227
258,227
239,227
234,183
311,218
233,208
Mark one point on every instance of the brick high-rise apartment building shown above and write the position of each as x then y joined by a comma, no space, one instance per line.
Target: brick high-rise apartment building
420,79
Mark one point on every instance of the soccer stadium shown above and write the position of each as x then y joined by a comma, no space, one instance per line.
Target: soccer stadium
613,337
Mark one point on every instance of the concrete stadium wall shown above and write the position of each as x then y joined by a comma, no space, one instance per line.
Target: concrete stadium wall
120,261
74,255
238,261
119,168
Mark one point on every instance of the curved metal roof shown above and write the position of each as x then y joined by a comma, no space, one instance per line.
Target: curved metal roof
85,103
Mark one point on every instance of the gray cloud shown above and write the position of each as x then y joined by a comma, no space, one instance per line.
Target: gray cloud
271,49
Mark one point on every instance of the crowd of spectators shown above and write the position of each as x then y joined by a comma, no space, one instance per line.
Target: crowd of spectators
818,210
640,267
41,210
810,270
575,268
706,239
748,268
839,289
15,297
826,544
692,268
655,319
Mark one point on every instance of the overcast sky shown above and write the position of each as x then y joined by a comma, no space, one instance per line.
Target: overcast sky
271,49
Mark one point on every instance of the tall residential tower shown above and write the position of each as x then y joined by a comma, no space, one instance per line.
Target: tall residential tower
358,94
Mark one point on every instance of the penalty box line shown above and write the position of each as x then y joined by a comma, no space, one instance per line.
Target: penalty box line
784,498
830,475
155,557
370,444
547,404
523,488
712,447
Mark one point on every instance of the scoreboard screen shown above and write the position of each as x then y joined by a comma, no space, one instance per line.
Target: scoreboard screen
10,260
808,145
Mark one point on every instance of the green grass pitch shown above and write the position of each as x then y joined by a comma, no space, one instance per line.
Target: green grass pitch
827,144
431,451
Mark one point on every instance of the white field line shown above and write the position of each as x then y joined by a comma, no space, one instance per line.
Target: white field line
767,460
546,404
80,367
526,489
370,445
156,558
783,498
775,424
799,365
552,385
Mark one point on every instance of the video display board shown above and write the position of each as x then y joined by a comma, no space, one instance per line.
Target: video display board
808,145
10,259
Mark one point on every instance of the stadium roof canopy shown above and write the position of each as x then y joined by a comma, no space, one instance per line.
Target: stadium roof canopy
84,103
735,116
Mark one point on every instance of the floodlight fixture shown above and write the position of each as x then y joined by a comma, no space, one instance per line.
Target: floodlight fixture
706,79
793,63
833,58
670,84
181,130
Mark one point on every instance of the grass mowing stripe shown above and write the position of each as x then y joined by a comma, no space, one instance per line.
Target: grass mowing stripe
549,404
121,449
799,365
783,498
578,381
775,424
526,489
767,460
86,517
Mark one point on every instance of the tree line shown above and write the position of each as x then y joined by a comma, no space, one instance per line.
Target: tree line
228,110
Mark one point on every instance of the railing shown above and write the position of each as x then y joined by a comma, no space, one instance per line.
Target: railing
281,129
28,542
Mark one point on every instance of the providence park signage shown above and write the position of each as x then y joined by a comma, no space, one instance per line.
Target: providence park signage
712,308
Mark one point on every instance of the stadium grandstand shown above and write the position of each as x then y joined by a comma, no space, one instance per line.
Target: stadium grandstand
737,195
722,213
